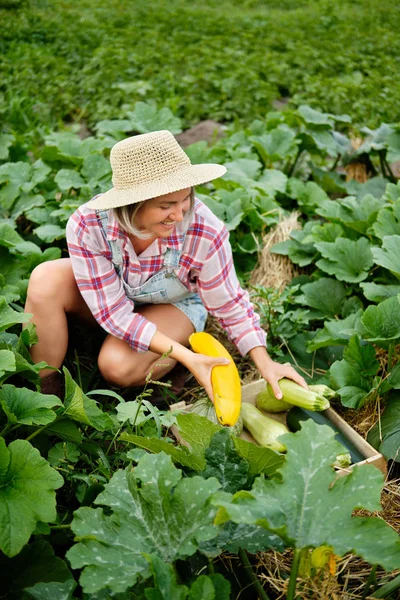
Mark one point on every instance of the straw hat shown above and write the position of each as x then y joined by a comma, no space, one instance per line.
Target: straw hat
150,165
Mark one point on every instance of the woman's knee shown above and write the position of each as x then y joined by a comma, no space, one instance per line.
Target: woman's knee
45,282
119,370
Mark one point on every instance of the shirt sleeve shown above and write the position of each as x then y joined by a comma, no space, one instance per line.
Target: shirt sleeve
101,287
225,299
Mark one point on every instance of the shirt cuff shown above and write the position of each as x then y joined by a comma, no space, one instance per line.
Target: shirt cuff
141,334
251,340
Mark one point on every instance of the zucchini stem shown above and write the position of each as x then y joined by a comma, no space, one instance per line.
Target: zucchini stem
251,575
291,593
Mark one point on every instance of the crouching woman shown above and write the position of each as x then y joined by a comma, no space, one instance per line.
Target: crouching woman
147,262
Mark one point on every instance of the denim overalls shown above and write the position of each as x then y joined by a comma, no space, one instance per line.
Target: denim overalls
163,287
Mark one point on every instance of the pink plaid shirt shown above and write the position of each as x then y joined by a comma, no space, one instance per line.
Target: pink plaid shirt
206,267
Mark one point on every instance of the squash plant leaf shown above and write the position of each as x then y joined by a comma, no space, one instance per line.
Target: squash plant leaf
26,406
379,292
154,511
353,376
164,579
261,460
278,144
312,507
224,463
52,590
346,259
9,316
27,493
388,255
243,171
180,455
35,563
385,434
388,221
352,212
197,431
326,295
382,321
82,409
7,362
233,536
146,117
336,332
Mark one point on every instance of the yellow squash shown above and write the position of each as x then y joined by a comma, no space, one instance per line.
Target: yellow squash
224,379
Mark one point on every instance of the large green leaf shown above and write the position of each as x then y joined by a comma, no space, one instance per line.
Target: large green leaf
352,377
336,332
382,321
326,295
35,563
182,456
243,171
312,507
82,409
261,460
27,493
377,293
146,118
388,221
7,362
388,255
385,434
348,260
154,511
197,431
49,233
67,179
224,463
9,316
233,536
27,407
353,212
52,590
275,145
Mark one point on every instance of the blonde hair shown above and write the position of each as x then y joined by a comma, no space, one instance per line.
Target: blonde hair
125,215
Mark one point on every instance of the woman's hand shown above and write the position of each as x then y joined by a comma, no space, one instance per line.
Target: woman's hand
273,371
201,367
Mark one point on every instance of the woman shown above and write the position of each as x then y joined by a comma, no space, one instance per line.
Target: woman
147,262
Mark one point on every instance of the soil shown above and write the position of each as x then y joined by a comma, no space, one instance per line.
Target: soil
208,131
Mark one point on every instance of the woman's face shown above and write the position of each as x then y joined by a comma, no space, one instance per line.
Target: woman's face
160,215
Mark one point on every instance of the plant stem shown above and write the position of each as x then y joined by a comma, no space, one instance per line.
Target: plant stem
388,588
5,430
371,579
35,433
390,356
293,575
60,526
292,168
251,575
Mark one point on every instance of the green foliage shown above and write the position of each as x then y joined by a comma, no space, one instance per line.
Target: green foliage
311,508
235,64
27,491
150,514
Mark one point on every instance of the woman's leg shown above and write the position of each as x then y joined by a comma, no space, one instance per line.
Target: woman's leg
52,294
124,367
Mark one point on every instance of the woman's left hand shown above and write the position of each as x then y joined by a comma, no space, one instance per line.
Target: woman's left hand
273,371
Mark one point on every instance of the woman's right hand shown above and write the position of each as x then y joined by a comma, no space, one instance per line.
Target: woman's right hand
201,366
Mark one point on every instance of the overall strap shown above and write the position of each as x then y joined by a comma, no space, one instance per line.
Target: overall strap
116,252
172,257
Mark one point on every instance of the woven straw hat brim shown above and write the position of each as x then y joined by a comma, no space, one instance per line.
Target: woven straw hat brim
187,177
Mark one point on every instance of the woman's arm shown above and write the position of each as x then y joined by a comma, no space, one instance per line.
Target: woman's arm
273,371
